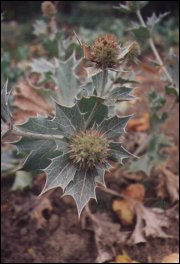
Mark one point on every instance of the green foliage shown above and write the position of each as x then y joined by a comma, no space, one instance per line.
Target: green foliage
156,141
7,70
153,155
5,110
23,180
9,160
131,6
140,32
67,145
51,151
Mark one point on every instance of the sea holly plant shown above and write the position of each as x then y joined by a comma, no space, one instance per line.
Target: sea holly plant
76,146
144,31
72,149
157,140
55,40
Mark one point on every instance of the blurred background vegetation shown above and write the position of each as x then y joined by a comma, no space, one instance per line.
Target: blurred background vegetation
89,11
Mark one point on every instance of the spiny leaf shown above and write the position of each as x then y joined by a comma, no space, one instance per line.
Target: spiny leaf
86,105
101,171
86,90
82,189
40,152
68,119
153,20
114,126
172,64
40,125
120,94
5,110
66,80
153,155
65,122
97,81
119,153
60,173
48,141
6,119
141,33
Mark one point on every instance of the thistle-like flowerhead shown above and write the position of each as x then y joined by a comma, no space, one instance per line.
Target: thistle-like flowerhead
89,148
48,9
73,153
106,53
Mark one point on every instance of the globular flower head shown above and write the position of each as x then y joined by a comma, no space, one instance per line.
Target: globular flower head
48,9
106,53
89,148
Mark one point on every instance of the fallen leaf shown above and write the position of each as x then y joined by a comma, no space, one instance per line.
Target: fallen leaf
124,210
30,101
107,236
124,258
172,258
139,124
149,223
172,184
135,191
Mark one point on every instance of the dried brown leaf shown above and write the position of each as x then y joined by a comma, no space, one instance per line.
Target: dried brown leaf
135,191
107,236
124,210
149,224
172,258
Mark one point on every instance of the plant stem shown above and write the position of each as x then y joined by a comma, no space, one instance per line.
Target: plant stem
35,135
103,85
88,121
153,47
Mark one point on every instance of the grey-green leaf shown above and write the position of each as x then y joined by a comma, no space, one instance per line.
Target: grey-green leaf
153,155
141,33
59,173
86,105
5,109
101,169
66,80
97,81
40,125
120,94
118,152
82,189
114,127
68,119
40,152
153,20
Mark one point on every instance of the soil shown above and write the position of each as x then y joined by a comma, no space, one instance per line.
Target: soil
49,231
